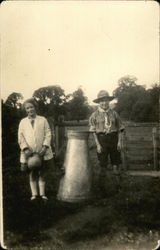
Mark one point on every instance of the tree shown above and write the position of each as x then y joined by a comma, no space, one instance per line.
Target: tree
135,102
77,106
11,116
51,100
14,100
154,93
125,83
141,110
129,94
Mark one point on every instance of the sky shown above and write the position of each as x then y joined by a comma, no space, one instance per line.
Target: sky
91,44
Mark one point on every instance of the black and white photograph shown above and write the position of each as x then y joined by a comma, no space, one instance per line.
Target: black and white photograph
80,125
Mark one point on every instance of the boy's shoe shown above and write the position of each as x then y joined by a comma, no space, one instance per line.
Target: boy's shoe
33,197
44,197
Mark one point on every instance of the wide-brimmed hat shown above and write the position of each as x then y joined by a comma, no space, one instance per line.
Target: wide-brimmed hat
103,94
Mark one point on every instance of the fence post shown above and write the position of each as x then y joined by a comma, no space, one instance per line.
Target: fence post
51,124
56,139
123,151
155,152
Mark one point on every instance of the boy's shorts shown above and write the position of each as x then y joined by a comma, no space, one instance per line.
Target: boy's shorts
109,143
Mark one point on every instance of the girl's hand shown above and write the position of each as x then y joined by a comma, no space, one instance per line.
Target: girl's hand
43,151
24,167
99,148
28,152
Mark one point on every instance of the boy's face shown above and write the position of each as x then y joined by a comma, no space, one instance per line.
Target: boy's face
30,109
104,104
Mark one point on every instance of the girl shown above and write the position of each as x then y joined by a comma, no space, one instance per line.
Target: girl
34,136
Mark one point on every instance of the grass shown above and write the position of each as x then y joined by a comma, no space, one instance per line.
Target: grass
123,213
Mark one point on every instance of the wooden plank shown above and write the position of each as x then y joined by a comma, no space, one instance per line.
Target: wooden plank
139,157
139,151
138,138
155,154
73,123
144,147
139,145
139,160
131,156
81,128
123,151
137,134
62,136
139,128
56,139
141,124
138,148
144,173
138,166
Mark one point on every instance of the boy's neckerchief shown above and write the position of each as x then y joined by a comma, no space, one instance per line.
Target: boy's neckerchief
107,120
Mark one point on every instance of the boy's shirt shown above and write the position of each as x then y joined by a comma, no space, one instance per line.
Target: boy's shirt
108,121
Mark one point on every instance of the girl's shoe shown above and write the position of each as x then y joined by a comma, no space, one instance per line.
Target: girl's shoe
44,198
33,197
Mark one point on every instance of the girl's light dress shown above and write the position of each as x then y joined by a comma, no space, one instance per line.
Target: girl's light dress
34,137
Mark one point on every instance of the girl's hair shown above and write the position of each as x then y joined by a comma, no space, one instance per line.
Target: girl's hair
32,101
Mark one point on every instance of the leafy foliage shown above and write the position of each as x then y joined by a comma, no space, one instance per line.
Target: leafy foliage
78,107
14,100
50,100
154,93
135,102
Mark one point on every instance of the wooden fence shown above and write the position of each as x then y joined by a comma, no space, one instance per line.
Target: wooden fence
141,147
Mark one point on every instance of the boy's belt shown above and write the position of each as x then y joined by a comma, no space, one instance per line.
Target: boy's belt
103,133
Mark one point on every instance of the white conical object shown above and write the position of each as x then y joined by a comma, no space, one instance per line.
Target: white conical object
75,186
158,246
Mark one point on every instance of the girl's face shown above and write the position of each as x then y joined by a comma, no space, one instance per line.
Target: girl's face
30,109
104,104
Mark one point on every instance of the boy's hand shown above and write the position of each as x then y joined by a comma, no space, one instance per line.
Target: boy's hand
27,152
119,146
43,151
99,148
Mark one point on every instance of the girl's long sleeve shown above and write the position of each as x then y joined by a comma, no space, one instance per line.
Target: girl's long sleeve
21,140
47,134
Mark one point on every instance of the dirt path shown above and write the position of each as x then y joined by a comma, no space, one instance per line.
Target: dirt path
90,227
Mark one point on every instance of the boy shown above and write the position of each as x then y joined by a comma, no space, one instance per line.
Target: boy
107,129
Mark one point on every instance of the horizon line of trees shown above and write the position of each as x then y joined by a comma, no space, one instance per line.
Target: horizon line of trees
135,102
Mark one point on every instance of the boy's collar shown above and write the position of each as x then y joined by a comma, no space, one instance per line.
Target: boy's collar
102,110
